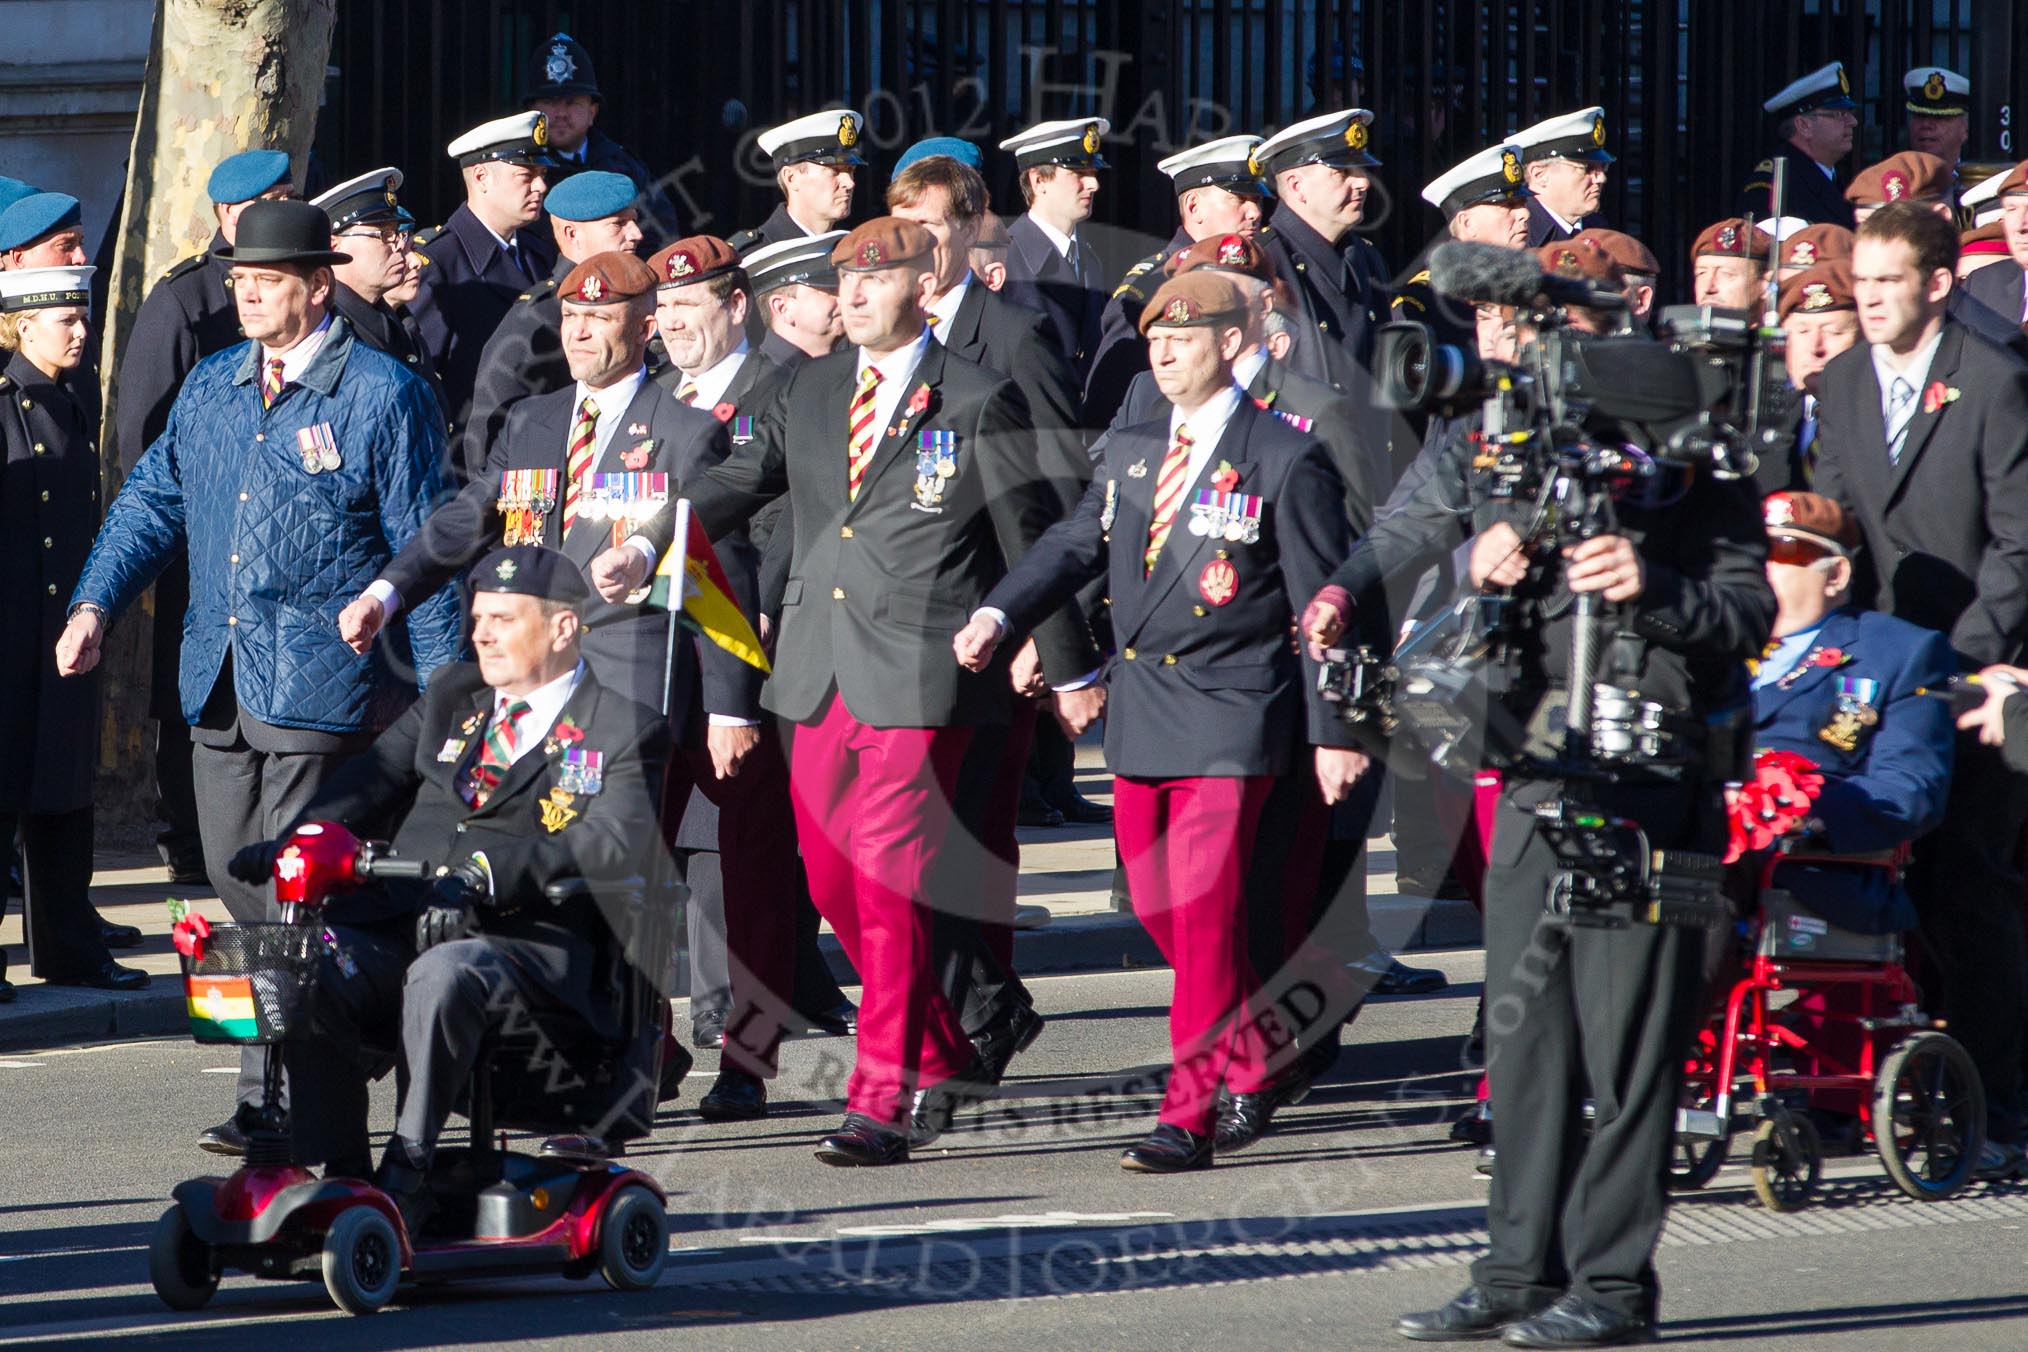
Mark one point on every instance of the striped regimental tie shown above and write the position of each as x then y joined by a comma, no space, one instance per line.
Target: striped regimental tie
859,445
579,462
687,391
271,382
1169,485
496,755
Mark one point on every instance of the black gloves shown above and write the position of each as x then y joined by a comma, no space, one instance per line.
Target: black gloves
446,908
256,863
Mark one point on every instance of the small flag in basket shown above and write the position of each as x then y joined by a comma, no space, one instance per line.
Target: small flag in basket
221,1008
705,601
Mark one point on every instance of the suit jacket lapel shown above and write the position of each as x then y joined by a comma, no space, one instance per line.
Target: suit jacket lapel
534,760
589,538
903,424
1923,424
1868,459
743,380
963,330
1836,632
468,725
1179,553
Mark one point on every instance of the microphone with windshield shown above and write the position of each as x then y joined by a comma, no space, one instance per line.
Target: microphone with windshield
1492,275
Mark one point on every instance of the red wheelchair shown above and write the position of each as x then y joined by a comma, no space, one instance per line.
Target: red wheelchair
1816,1010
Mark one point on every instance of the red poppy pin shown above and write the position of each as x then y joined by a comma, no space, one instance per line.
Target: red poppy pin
1829,657
562,735
918,401
723,412
637,459
1226,479
1937,395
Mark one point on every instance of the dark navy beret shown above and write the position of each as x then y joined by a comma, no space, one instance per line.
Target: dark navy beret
245,176
35,216
591,195
964,152
532,570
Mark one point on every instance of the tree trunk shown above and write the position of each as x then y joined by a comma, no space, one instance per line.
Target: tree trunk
223,76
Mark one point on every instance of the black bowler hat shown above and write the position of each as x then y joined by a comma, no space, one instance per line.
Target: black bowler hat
283,232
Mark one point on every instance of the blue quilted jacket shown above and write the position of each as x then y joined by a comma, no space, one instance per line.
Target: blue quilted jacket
276,551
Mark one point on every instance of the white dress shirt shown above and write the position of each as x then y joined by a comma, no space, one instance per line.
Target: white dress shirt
1062,243
1915,371
945,308
1247,367
1569,227
297,359
896,369
713,381
545,706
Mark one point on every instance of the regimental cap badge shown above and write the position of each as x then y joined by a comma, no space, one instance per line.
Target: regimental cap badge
1894,185
1803,255
680,266
1355,135
871,254
540,132
559,67
1510,166
1567,263
1180,311
1780,509
506,571
848,132
1728,238
1933,87
591,288
1598,130
1231,252
1816,296
1253,165
1091,138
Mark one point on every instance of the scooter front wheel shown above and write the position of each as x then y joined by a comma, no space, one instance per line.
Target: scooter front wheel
362,1261
179,1263
633,1239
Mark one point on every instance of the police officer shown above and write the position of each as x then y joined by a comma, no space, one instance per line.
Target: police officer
815,160
1565,161
49,727
795,288
565,90
367,223
1814,121
1681,584
485,255
592,212
1050,268
187,316
1320,168
1939,106
1219,191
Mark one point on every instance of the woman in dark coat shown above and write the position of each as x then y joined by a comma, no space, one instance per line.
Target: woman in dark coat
49,727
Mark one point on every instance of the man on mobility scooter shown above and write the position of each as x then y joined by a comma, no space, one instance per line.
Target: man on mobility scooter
509,776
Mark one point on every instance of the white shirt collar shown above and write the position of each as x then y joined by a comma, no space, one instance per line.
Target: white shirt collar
1549,211
1915,371
505,242
1207,427
895,369
545,706
945,309
1062,243
612,403
297,359
712,381
1248,367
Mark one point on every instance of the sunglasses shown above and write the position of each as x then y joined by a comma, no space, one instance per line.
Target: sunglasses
1798,553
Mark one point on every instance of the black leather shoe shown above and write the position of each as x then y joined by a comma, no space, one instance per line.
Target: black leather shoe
190,874
408,1188
1038,814
860,1142
227,1138
580,1146
1470,1316
1082,810
111,977
1574,1321
1168,1150
676,1063
1474,1128
840,1020
119,936
6,991
707,1029
931,1110
1005,1039
1244,1119
1400,979
735,1096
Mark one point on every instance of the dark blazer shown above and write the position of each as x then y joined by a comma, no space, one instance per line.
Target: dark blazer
523,357
1041,279
1544,229
1999,286
778,228
1807,192
1989,323
627,646
187,316
1002,336
1206,682
1333,422
380,326
1338,299
879,585
49,512
408,784
1945,526
466,290
1890,788
1122,352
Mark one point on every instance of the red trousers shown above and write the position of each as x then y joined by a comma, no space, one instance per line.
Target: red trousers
872,806
1185,843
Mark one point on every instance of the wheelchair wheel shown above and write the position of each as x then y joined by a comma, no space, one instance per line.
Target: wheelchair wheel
362,1261
1929,1115
1788,1159
633,1240
179,1263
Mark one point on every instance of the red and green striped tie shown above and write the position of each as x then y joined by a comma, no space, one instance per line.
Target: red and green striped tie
496,754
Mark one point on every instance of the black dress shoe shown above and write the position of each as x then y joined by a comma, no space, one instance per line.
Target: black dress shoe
189,873
735,1096
1471,1315
840,1020
408,1188
227,1138
1038,814
931,1110
1082,810
580,1146
1574,1321
119,936
1400,979
1474,1128
707,1029
1168,1150
676,1063
1005,1039
1243,1119
110,977
860,1142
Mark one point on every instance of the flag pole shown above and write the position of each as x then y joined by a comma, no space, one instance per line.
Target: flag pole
680,542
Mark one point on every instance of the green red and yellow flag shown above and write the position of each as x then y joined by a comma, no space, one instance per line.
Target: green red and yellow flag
691,581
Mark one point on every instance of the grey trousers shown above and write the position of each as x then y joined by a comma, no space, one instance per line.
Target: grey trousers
454,995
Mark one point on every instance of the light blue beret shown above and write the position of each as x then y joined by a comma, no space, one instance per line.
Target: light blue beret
591,195
245,176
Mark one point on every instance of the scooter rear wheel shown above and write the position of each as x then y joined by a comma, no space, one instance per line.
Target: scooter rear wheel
362,1261
633,1239
179,1263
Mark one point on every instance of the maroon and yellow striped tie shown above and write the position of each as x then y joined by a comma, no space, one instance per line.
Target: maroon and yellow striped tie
1169,485
271,382
859,446
496,755
579,462
687,391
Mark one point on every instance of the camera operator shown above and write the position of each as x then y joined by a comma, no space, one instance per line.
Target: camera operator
1682,601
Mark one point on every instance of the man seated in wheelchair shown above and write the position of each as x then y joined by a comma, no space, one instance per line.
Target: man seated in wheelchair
1856,692
508,776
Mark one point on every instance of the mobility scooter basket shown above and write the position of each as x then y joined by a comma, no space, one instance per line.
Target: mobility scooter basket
251,983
